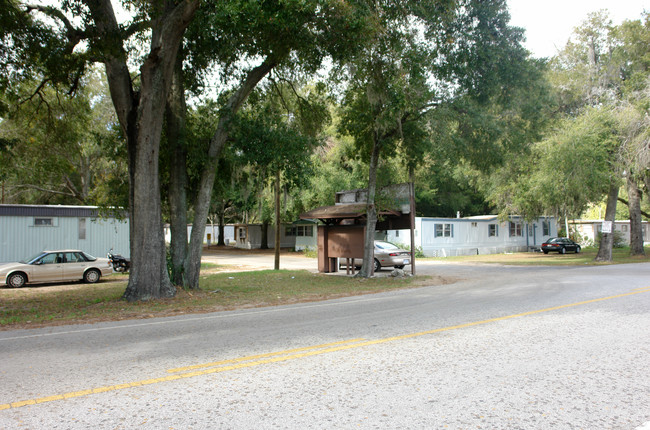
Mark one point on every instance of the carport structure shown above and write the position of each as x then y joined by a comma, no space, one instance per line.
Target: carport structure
342,232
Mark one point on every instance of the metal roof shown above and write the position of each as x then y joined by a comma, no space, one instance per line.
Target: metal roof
56,211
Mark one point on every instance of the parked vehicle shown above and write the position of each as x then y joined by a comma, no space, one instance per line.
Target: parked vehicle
386,255
55,266
561,245
120,263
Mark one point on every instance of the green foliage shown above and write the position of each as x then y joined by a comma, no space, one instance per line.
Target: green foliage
602,63
31,49
487,102
273,146
301,33
335,168
565,172
599,126
449,190
633,53
418,250
278,132
619,239
61,149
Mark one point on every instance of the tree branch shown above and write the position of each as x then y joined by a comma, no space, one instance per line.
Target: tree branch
45,190
626,203
73,34
117,72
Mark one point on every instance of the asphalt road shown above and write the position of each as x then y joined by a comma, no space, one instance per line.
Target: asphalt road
505,347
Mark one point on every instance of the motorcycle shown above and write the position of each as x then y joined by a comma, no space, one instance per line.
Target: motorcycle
120,263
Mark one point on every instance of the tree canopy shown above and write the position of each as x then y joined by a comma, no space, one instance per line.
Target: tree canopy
214,101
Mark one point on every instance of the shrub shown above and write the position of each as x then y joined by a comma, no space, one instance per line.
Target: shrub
619,241
418,250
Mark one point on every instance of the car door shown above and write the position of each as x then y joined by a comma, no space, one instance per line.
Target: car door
74,266
49,268
569,245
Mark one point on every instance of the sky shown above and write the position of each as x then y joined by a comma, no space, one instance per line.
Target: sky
549,24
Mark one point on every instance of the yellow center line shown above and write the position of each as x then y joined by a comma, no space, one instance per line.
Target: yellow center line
281,356
255,357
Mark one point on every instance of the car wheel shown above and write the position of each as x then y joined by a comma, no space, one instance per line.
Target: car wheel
17,280
578,250
563,250
91,276
377,265
545,252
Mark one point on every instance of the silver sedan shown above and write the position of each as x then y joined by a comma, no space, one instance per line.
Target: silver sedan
55,266
386,255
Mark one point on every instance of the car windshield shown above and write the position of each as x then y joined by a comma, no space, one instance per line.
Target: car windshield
385,245
33,259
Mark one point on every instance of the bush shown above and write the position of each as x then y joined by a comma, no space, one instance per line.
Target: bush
418,250
619,241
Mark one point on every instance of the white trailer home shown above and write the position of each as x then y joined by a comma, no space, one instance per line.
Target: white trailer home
28,229
210,236
249,236
445,237
588,229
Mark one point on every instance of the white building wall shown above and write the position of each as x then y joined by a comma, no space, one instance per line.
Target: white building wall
307,239
104,234
253,239
589,229
470,236
212,230
20,238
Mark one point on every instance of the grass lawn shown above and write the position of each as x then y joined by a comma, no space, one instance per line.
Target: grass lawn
585,257
52,304
55,304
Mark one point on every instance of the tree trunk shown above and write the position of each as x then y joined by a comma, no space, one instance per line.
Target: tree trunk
222,227
636,222
141,117
176,139
607,239
412,216
264,241
367,268
148,277
276,263
202,199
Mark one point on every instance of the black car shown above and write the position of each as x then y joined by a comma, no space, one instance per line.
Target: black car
561,245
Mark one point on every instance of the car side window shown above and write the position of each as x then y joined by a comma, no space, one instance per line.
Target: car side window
48,259
71,257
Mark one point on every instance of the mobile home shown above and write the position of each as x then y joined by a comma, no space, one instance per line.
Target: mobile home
444,237
28,229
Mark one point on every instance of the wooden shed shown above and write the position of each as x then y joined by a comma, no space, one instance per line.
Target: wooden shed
343,228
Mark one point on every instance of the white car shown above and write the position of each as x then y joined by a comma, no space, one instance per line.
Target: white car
55,266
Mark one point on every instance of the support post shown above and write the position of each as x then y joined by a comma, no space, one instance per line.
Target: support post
412,226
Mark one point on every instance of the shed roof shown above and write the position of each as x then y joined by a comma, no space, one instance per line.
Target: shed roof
343,211
356,210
